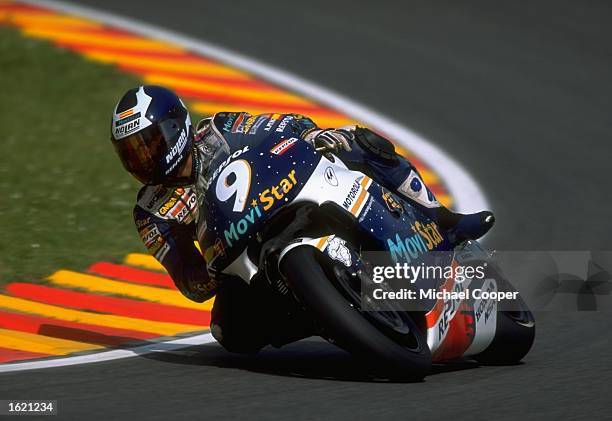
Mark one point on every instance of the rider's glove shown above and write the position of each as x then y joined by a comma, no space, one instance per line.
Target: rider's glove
330,141
198,290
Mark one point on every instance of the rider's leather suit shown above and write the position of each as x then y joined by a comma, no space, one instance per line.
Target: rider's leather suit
166,217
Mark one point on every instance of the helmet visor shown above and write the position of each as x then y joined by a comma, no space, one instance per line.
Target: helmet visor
140,153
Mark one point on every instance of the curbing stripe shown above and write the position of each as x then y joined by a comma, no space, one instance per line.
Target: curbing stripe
130,274
73,331
186,65
108,320
99,39
10,355
102,285
23,341
110,305
144,261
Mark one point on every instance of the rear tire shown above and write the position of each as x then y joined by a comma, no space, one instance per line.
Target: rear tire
346,326
514,336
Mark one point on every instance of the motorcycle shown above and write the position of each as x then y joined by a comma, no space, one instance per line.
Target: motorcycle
306,222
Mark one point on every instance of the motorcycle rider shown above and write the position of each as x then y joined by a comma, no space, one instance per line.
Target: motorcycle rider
152,133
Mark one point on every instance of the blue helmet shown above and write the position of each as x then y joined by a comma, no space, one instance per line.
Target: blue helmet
152,134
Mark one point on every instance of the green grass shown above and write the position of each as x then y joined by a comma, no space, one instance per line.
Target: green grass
65,200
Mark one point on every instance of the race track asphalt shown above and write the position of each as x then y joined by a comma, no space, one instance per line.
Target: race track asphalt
518,92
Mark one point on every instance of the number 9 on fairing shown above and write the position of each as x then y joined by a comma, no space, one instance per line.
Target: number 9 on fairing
235,179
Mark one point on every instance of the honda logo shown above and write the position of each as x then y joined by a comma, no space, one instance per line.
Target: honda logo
330,176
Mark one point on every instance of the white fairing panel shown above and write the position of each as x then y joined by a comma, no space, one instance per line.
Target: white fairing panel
438,332
485,320
334,182
242,267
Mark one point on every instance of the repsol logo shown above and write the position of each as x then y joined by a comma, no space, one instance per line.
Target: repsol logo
178,148
426,237
228,160
283,123
149,234
352,195
450,309
283,146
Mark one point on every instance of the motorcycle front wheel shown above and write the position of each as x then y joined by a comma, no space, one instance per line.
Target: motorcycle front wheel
340,320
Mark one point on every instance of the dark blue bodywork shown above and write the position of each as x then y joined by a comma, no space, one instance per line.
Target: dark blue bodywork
390,223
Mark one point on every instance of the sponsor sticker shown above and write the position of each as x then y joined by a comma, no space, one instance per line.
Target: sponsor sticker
142,222
330,176
227,125
271,122
178,147
130,117
156,245
283,146
283,124
357,196
162,252
126,129
426,237
186,208
260,120
132,120
165,208
265,200
238,124
153,196
414,188
149,234
248,124
228,160
337,250
392,203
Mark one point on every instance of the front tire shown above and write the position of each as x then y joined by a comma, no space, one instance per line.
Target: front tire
346,326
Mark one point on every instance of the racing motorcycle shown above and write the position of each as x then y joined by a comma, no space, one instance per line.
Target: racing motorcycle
275,206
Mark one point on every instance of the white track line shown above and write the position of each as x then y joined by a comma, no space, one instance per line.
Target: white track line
467,194
116,354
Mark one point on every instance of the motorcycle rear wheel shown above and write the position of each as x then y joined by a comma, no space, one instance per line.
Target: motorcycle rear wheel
514,335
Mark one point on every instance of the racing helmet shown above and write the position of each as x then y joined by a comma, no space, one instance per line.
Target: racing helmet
152,134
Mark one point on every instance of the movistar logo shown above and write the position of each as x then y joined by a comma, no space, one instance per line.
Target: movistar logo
426,238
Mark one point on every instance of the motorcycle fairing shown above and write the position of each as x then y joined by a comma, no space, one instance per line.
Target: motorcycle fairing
245,189
230,220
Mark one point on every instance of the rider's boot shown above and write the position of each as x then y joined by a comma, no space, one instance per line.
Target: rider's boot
463,227
460,227
393,169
